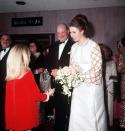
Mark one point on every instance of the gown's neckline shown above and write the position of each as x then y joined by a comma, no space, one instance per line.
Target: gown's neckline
84,43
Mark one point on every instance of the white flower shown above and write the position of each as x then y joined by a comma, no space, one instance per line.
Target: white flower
69,53
69,77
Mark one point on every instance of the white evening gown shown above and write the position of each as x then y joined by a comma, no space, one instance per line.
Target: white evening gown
87,106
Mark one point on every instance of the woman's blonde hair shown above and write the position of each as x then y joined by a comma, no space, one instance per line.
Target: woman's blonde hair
17,61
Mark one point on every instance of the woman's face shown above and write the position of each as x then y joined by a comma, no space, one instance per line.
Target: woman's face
76,34
33,47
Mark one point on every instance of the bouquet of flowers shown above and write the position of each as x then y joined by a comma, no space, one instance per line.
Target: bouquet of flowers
69,77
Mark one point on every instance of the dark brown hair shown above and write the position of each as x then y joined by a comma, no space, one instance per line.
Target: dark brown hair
81,22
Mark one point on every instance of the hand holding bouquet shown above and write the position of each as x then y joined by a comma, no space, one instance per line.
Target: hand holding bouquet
69,77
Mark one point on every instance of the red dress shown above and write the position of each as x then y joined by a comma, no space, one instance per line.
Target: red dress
21,107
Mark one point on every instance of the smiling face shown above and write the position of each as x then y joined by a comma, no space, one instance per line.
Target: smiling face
5,41
76,34
62,33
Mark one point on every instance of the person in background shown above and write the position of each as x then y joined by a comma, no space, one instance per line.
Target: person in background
5,43
37,65
121,70
46,51
37,62
110,79
58,56
87,104
22,92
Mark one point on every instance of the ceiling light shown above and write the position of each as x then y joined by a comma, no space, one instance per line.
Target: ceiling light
20,2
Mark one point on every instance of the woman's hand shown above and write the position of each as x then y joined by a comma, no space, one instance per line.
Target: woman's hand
51,92
54,72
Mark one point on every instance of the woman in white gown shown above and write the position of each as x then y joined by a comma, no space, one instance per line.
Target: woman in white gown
87,105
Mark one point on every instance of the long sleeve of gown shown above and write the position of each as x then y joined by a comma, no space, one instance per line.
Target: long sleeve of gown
94,74
92,67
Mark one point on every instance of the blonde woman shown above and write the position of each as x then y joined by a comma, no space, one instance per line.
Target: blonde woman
22,93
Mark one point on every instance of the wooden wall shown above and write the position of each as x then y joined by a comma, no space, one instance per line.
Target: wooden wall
109,22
